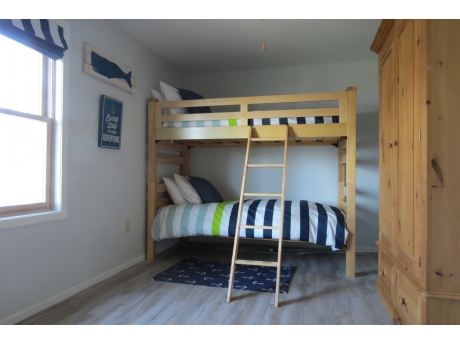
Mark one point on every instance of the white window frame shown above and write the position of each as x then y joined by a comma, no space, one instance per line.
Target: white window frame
58,151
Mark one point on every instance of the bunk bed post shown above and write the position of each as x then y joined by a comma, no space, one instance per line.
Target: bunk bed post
351,182
342,185
151,178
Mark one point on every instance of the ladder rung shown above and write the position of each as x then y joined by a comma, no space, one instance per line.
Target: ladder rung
255,262
265,165
274,228
262,194
268,139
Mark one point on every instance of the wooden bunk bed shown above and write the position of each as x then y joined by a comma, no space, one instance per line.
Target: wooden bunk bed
178,139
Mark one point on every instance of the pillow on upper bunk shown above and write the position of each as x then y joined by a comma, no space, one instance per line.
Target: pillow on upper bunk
207,192
190,95
172,94
187,190
174,191
158,95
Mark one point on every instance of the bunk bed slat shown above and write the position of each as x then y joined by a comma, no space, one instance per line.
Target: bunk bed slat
244,101
161,188
172,146
255,262
168,159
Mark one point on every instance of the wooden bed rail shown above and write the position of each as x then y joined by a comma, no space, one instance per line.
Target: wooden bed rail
243,104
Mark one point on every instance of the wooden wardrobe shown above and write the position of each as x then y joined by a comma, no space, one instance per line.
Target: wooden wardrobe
419,239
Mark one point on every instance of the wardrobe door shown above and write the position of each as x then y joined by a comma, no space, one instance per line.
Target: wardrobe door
388,153
409,237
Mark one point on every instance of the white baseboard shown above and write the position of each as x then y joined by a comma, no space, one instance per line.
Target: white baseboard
24,314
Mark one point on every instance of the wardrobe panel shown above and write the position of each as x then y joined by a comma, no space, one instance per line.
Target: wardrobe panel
406,140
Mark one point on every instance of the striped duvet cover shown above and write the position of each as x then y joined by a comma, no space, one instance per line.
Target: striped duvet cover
255,121
293,120
303,221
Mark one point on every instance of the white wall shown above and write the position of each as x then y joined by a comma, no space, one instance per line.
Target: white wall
41,264
311,171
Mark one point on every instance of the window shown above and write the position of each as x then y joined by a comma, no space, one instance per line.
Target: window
26,129
31,130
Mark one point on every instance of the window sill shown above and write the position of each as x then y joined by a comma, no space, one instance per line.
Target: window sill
31,219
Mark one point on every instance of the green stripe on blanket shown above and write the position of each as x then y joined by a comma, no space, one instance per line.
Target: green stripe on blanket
217,219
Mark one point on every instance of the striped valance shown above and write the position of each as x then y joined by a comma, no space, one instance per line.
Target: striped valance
42,35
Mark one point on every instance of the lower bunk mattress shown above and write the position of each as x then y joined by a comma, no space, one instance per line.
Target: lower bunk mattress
303,221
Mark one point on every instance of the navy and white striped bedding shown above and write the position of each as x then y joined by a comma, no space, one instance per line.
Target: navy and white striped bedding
303,221
252,122
293,120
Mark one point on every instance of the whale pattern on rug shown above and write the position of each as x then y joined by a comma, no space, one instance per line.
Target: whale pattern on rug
216,274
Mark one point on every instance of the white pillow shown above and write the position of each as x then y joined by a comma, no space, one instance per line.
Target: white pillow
174,191
172,94
187,190
158,95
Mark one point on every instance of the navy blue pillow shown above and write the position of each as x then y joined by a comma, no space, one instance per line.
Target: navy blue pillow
190,95
207,192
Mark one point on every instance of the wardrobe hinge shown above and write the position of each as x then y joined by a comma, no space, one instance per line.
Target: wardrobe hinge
420,135
419,262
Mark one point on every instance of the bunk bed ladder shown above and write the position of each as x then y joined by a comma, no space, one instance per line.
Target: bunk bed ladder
235,261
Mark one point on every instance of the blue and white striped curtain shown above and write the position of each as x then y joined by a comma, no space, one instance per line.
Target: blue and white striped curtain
42,35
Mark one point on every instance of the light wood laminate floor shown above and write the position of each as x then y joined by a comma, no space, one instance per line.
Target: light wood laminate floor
319,293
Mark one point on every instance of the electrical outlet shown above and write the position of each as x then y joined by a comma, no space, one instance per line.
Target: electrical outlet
127,225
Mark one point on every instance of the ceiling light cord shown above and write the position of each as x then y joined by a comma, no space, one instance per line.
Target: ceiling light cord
263,36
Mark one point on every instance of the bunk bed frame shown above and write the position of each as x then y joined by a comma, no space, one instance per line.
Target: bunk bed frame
341,134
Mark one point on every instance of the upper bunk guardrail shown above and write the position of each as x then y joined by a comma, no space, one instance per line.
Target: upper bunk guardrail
245,115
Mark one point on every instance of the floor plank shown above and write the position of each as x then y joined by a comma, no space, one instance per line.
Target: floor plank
319,293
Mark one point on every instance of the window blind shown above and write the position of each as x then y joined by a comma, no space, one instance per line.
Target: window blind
42,35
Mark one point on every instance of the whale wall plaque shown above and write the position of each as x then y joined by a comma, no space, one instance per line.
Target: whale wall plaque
102,66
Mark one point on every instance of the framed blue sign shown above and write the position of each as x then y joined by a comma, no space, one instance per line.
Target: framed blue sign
110,118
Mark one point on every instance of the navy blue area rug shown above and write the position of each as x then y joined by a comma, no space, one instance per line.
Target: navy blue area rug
216,274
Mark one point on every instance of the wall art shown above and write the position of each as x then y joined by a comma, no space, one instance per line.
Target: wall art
102,66
110,119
